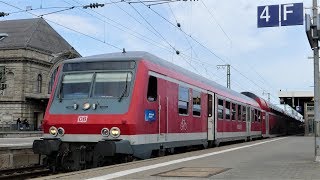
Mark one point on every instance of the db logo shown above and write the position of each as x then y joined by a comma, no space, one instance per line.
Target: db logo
183,125
82,119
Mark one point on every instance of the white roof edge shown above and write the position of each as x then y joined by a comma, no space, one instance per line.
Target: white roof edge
295,94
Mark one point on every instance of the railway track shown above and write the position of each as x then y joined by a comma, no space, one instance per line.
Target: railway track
24,172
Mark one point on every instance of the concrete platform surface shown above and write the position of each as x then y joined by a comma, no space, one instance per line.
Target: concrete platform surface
6,143
276,158
20,134
17,152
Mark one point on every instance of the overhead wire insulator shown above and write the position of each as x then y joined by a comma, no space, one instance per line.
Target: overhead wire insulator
93,5
2,14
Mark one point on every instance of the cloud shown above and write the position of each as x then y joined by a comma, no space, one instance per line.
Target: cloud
82,24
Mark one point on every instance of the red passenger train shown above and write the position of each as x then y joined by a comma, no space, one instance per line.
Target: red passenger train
119,106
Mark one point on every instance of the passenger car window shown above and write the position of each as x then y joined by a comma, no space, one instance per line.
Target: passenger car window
239,109
196,99
244,113
220,109
183,103
233,111
227,110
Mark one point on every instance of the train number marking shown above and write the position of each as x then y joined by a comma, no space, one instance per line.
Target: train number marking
183,125
82,119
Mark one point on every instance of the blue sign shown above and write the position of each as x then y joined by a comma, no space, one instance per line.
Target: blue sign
292,14
149,115
268,16
280,15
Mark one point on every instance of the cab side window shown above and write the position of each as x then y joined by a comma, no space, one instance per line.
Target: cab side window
152,89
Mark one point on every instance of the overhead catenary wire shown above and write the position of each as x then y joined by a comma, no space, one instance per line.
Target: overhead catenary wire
154,28
213,17
208,49
179,26
213,53
79,31
58,7
122,27
186,35
66,27
57,11
33,9
132,17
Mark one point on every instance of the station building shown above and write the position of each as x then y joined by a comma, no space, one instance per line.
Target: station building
30,50
302,102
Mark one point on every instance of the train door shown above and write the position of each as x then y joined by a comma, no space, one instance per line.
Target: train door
248,121
211,116
163,105
267,124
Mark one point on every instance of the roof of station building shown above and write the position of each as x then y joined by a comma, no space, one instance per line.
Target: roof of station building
33,33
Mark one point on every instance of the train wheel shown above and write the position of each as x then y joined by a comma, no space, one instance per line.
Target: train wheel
216,143
161,152
211,144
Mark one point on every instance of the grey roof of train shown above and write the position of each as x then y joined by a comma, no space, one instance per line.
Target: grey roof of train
33,33
138,55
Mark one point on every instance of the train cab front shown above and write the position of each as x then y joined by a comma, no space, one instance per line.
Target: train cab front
87,120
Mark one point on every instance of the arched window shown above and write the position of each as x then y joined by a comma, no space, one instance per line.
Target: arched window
39,83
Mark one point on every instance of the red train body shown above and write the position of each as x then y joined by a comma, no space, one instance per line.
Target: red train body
119,106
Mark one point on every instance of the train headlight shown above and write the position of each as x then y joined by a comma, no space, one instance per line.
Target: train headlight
86,106
60,131
53,131
115,132
105,132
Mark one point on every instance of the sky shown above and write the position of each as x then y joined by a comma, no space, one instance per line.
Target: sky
211,33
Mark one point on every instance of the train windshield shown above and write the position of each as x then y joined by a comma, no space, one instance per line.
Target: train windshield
76,85
113,84
105,85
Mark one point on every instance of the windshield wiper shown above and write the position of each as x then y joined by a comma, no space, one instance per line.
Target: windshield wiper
125,89
60,93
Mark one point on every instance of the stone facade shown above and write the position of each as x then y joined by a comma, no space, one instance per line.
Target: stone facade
28,71
25,95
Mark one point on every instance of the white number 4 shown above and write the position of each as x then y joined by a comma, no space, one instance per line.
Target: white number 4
265,14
